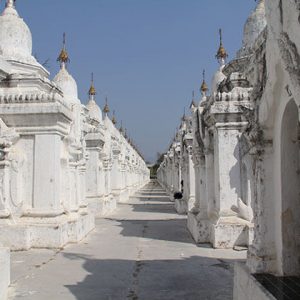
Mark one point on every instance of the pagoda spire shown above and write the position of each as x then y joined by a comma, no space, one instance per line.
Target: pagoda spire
121,127
193,103
10,8
63,57
204,87
114,120
221,54
92,90
184,115
106,109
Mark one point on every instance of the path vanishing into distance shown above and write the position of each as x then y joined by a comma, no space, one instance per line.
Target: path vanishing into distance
142,251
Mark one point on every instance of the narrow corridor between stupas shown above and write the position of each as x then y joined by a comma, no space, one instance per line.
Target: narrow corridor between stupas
141,251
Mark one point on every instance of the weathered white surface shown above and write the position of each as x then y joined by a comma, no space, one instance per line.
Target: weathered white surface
254,26
199,228
94,110
217,79
274,155
211,162
230,232
56,154
246,149
4,272
181,206
15,37
275,158
66,83
246,287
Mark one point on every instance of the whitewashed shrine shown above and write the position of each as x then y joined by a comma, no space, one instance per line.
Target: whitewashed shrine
246,152
61,162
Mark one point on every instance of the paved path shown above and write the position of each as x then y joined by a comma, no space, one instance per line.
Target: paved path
141,252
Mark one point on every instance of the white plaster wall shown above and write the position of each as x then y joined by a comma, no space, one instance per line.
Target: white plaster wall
47,170
4,272
246,287
227,170
271,111
210,183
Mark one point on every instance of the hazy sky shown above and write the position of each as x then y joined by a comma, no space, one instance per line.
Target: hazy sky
147,55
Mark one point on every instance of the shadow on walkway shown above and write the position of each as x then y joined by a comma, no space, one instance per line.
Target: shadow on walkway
154,199
164,230
158,270
155,207
186,279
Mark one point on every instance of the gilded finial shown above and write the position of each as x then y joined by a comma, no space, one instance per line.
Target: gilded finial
63,57
204,87
221,54
106,109
114,120
92,90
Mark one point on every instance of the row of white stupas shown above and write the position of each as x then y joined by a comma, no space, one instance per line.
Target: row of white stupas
236,158
61,163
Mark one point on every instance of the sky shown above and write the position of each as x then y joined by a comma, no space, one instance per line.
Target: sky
147,55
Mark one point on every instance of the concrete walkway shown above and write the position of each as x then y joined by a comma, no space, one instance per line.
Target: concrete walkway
141,252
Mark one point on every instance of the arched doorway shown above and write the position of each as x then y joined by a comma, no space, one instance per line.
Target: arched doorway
290,182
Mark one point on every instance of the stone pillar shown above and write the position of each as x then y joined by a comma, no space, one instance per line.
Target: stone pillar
227,169
200,205
187,203
82,185
227,228
191,183
198,222
116,177
179,176
261,257
73,178
46,200
4,272
125,193
203,203
107,175
196,160
93,176
210,181
4,189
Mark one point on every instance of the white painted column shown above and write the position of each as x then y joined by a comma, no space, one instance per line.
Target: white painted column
203,200
210,178
227,169
5,189
93,181
47,176
115,178
191,182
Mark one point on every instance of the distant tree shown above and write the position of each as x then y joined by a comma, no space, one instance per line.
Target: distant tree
154,168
